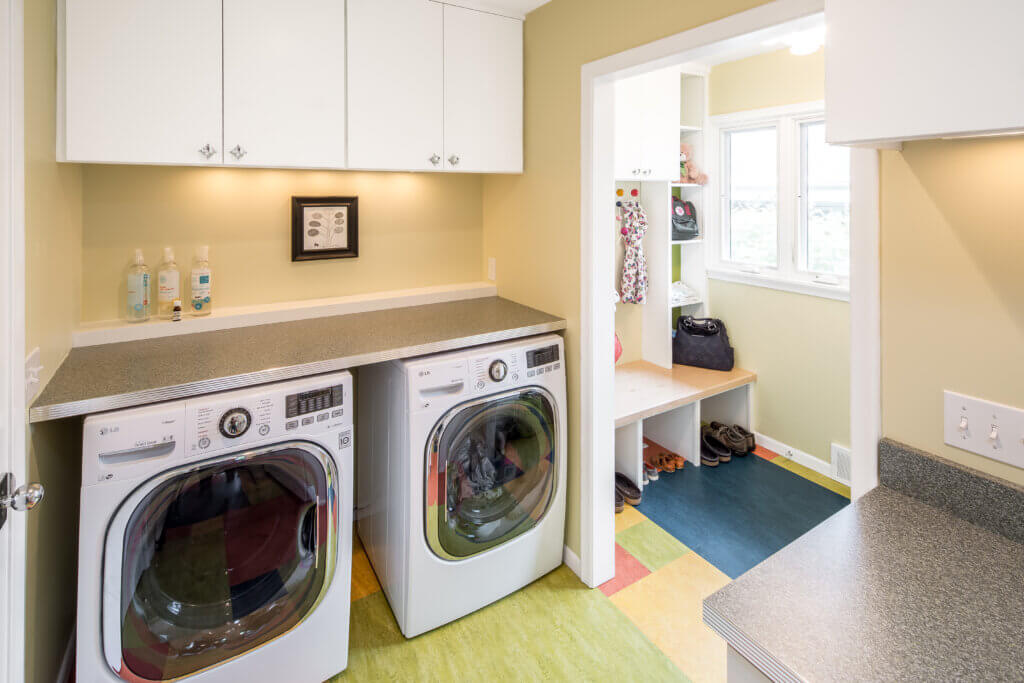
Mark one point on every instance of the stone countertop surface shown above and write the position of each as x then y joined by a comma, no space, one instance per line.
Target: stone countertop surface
108,376
888,589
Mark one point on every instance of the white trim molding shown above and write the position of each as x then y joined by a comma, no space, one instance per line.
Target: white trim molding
111,331
597,174
782,284
798,456
571,560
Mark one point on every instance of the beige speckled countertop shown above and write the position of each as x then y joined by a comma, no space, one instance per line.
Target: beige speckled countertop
97,378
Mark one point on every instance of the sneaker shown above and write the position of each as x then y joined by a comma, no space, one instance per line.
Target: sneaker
711,449
620,503
650,473
645,480
629,491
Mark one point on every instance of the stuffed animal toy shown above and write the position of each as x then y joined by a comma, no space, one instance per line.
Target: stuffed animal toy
689,172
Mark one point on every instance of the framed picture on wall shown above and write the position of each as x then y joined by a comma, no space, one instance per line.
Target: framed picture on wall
325,227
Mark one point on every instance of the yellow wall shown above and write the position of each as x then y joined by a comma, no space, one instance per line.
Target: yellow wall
415,230
532,222
798,345
800,348
53,199
952,285
771,79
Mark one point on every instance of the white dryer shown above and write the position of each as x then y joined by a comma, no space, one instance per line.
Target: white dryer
215,540
461,476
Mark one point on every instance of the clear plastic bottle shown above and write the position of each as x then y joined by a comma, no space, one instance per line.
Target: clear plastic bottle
202,283
168,282
137,300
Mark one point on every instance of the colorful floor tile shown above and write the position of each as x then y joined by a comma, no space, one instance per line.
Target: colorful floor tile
645,624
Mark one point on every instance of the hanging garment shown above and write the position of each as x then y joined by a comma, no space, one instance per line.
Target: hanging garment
634,264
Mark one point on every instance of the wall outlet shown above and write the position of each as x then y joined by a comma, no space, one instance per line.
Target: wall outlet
842,464
989,429
492,269
33,368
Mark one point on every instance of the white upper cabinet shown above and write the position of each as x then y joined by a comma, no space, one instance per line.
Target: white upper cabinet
483,92
142,81
284,83
922,69
647,126
395,85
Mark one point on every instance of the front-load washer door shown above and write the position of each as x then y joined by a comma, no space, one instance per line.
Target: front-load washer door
208,562
491,471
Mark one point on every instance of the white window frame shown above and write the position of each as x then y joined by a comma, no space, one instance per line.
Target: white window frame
787,276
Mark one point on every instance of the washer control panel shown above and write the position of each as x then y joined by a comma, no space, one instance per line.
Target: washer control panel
235,423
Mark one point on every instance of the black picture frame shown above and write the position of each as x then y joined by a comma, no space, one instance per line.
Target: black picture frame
302,250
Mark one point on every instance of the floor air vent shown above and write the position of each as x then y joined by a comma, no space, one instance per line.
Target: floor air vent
841,465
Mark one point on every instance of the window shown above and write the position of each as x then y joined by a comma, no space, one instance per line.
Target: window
752,217
784,214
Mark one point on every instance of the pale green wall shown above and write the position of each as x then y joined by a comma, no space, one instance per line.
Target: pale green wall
798,345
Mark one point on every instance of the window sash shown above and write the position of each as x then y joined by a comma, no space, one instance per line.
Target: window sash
726,196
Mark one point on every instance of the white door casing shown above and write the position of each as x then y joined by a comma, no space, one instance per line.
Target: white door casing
284,83
395,85
483,92
12,336
151,94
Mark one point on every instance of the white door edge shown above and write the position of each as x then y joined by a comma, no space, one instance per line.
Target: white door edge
12,336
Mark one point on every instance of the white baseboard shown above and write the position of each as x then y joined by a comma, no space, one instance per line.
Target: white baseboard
112,331
571,560
796,455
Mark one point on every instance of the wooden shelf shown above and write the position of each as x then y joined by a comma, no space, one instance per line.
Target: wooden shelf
686,185
643,389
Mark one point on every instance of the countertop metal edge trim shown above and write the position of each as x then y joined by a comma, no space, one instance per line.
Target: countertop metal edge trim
129,400
756,655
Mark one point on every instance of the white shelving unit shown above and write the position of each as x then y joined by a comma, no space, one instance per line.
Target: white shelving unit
655,399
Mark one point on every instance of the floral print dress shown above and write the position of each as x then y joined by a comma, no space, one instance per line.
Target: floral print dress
633,289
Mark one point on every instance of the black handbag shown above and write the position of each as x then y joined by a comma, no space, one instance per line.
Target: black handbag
684,220
702,343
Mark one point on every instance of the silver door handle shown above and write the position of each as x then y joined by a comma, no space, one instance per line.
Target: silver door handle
237,152
207,150
22,499
435,159
454,160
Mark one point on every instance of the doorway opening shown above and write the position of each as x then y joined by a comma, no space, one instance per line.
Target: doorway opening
709,150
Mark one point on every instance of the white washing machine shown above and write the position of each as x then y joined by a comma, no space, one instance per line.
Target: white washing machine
215,541
461,476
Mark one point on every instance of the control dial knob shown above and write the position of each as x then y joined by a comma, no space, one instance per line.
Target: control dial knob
235,422
498,370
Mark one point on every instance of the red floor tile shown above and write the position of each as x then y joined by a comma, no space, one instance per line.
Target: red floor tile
763,452
628,570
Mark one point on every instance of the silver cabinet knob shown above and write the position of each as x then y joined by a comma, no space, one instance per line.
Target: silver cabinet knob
207,150
237,152
454,160
435,159
636,171
647,171
22,499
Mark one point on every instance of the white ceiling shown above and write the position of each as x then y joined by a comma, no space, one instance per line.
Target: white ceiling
510,8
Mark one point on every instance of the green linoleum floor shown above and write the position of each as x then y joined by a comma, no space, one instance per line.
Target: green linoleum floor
555,629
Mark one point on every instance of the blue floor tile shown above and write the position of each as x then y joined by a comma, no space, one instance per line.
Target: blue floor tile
737,514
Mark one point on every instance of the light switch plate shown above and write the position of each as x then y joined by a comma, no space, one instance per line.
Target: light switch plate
989,429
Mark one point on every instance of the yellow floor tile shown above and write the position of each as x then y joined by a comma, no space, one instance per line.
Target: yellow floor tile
627,518
811,475
667,608
364,581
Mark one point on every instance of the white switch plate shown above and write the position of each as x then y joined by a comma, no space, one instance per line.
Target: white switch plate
983,419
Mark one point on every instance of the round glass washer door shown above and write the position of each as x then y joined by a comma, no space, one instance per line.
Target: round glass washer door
491,472
208,562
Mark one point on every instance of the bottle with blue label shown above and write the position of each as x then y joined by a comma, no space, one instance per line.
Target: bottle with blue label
137,304
202,283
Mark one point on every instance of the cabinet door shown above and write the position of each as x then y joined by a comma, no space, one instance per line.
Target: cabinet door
142,81
395,85
284,83
483,92
629,127
660,126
